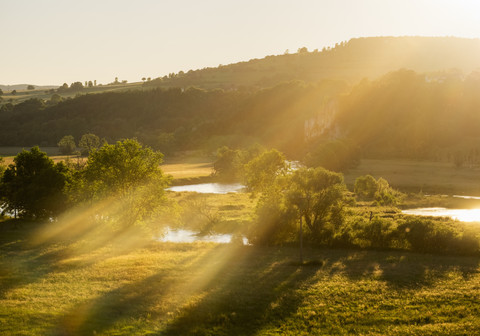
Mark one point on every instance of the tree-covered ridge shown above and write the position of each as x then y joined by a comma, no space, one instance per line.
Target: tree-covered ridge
350,61
173,119
402,114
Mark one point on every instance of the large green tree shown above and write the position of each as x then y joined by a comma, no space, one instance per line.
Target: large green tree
313,196
127,179
32,186
318,196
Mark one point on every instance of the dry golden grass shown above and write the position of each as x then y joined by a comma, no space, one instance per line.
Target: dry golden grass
188,166
420,176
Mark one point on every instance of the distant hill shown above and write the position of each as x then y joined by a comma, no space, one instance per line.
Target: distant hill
428,112
21,87
369,57
351,61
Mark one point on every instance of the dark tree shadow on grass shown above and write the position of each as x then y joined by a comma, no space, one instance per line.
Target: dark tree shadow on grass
230,290
400,269
23,260
243,290
256,289
20,263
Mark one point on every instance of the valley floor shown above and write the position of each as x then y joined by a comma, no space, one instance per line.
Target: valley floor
50,287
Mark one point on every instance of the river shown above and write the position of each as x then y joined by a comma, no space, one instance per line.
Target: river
188,236
463,215
209,188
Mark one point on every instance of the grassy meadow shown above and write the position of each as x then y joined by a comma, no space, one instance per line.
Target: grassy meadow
59,287
189,168
62,278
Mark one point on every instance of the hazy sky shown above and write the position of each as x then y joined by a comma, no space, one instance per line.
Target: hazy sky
57,41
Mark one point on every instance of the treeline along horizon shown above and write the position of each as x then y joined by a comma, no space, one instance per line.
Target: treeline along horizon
172,118
402,114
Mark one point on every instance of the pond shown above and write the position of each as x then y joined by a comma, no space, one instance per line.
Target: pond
463,215
188,236
209,188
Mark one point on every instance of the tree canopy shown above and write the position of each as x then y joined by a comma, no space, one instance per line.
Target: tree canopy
67,145
314,196
317,194
261,172
33,185
88,143
128,177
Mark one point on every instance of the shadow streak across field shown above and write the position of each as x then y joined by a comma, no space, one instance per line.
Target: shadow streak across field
234,289
399,269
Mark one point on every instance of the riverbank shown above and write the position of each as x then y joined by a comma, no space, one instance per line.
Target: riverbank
424,177
205,288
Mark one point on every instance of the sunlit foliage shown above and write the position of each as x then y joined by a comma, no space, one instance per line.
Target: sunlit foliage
368,189
312,196
261,172
126,177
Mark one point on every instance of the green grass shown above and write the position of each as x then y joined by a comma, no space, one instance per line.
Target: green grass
70,288
229,213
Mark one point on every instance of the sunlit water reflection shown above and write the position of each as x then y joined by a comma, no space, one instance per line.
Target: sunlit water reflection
210,188
463,215
188,236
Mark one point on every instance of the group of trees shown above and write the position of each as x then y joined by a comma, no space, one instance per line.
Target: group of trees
288,197
173,119
309,204
88,142
368,189
314,196
33,185
121,182
122,186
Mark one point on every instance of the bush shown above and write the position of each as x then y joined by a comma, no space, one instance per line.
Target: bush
379,233
437,236
368,189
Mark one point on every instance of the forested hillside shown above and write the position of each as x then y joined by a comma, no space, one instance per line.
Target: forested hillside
403,114
351,61
428,112
174,119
